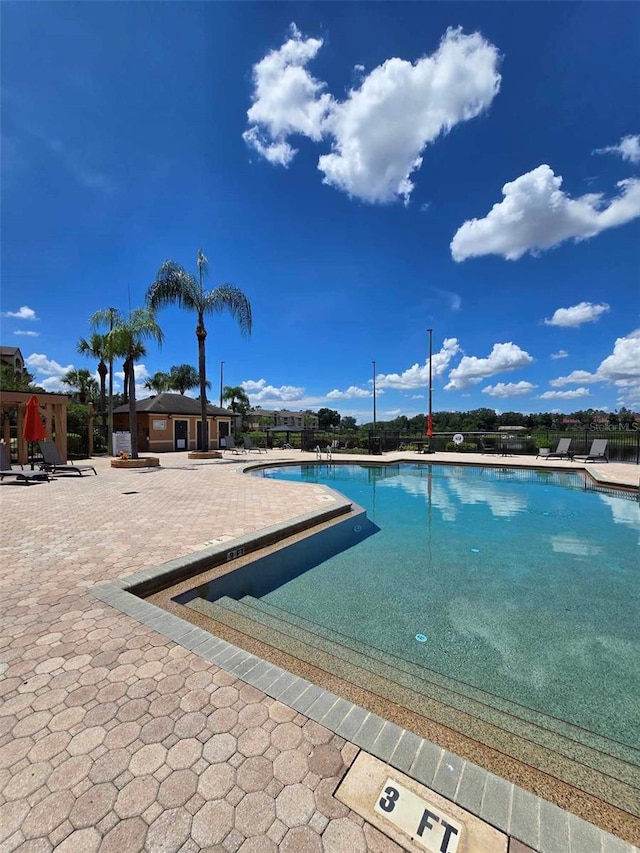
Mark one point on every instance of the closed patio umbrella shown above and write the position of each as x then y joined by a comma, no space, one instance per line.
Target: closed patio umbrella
33,428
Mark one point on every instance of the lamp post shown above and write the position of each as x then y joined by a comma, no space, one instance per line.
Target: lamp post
429,418
112,312
221,381
374,394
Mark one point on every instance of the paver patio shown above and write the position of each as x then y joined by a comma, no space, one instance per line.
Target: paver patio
115,738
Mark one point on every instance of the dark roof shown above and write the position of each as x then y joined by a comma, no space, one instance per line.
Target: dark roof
172,404
9,350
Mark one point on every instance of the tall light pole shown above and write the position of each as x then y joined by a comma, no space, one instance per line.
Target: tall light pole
221,381
112,312
429,419
374,394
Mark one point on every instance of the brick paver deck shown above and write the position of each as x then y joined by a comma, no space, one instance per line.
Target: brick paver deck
114,737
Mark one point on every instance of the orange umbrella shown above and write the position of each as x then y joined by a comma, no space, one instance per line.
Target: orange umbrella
33,428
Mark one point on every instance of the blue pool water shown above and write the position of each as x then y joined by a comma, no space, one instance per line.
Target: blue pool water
522,584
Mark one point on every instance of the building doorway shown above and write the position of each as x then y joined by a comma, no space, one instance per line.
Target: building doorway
181,435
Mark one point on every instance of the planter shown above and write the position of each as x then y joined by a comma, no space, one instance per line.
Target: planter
204,454
142,462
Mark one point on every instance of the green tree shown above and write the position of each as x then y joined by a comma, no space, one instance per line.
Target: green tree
348,422
175,286
158,383
17,380
126,341
328,418
83,383
96,347
183,377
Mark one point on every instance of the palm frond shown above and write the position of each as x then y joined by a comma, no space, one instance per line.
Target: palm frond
173,286
226,297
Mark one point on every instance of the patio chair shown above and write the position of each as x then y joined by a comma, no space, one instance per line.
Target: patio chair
249,445
25,476
52,461
597,452
489,446
561,451
230,444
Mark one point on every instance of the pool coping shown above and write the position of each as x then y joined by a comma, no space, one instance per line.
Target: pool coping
531,820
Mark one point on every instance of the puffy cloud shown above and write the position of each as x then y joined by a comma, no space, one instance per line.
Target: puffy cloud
562,353
564,395
576,315
379,132
621,369
26,333
286,99
23,313
260,390
471,370
417,376
509,389
628,148
536,214
351,392
140,372
41,365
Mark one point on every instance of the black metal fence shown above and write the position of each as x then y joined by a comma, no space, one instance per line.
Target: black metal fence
623,445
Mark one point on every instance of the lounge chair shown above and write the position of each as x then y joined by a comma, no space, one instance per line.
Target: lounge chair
597,452
25,476
52,462
489,446
230,444
561,451
249,445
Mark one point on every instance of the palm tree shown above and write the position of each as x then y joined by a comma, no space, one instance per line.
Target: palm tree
175,286
83,383
237,397
183,377
125,340
96,347
158,383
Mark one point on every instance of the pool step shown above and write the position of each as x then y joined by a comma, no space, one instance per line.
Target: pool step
530,743
592,741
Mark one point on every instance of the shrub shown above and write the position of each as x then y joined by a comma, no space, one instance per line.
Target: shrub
463,447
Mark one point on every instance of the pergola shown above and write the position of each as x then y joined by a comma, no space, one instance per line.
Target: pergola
52,406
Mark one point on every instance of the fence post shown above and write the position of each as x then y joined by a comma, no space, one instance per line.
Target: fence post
90,435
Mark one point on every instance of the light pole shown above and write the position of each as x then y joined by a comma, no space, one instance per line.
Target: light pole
112,312
429,419
221,381
374,394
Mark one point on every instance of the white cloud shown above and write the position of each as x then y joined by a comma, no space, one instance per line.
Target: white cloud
379,132
620,369
23,313
628,148
576,315
26,333
286,99
562,353
40,364
509,389
259,391
471,370
417,376
352,392
564,395
535,215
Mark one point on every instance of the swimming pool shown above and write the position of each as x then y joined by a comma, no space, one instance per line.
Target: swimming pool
501,603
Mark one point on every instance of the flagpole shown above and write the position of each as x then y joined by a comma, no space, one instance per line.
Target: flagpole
429,416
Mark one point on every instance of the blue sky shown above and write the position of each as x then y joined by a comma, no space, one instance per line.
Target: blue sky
362,171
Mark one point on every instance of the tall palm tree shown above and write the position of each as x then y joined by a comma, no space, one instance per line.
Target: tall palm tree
126,341
158,383
83,382
183,377
175,286
96,347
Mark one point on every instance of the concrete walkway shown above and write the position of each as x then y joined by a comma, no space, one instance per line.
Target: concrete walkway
114,737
